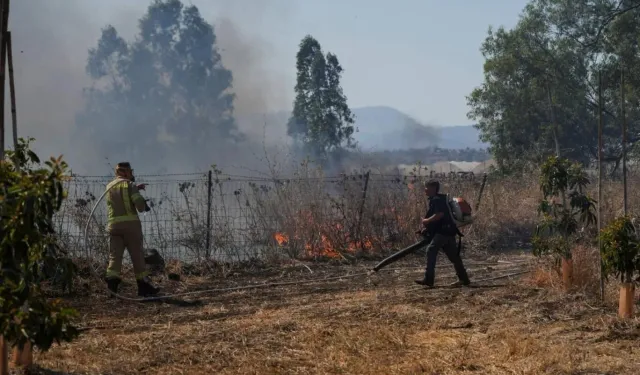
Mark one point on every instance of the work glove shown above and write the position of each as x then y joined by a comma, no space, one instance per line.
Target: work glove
146,206
141,186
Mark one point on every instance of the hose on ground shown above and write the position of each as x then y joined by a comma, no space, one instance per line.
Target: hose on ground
184,294
204,291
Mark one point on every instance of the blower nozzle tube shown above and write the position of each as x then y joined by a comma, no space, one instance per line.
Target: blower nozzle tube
401,254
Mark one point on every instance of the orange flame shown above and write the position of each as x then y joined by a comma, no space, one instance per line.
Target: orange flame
357,245
325,249
329,241
281,238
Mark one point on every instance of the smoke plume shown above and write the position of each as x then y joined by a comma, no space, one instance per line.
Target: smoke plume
51,41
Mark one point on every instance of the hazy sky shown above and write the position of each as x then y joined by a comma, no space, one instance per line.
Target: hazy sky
419,56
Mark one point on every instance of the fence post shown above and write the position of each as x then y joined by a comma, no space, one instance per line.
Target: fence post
600,146
209,188
624,143
484,183
361,212
4,20
12,90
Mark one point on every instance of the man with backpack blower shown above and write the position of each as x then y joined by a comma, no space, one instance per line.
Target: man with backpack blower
440,230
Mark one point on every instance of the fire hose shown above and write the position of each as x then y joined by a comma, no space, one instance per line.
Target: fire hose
184,294
383,263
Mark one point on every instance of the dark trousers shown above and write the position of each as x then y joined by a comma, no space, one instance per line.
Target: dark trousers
449,247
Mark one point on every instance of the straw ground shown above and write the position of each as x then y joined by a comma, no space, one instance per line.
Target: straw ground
380,324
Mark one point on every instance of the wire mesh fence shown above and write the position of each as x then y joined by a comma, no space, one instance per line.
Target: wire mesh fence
214,216
234,218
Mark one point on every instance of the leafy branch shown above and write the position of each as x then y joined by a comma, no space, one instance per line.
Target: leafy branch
566,209
620,249
30,195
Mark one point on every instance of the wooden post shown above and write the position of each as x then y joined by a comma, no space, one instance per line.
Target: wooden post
600,184
12,91
624,144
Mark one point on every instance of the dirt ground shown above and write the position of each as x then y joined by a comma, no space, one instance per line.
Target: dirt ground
380,324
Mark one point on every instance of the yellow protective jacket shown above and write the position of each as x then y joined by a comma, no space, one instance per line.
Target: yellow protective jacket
123,202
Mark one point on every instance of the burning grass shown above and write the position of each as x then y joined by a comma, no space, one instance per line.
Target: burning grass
365,325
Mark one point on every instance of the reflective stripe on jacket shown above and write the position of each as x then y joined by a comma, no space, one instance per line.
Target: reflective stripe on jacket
122,199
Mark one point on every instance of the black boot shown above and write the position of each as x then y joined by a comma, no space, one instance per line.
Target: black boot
112,284
424,282
145,289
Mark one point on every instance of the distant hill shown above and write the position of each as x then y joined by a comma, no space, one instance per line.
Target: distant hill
386,128
379,128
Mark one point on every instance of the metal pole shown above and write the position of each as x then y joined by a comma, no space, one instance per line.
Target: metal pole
4,17
624,143
484,182
12,91
600,183
4,13
361,212
209,188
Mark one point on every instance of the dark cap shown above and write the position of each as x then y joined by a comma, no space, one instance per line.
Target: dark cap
124,165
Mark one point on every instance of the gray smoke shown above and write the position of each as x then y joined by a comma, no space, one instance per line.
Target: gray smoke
51,40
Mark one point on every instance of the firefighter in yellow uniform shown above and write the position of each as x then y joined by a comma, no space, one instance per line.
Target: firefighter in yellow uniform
125,230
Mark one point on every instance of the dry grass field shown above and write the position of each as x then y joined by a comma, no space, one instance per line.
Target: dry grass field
333,318
378,324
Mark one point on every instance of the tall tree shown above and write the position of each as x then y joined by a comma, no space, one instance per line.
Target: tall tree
321,120
166,88
539,93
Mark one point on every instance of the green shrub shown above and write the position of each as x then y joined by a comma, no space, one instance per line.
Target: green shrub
30,194
565,208
620,249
